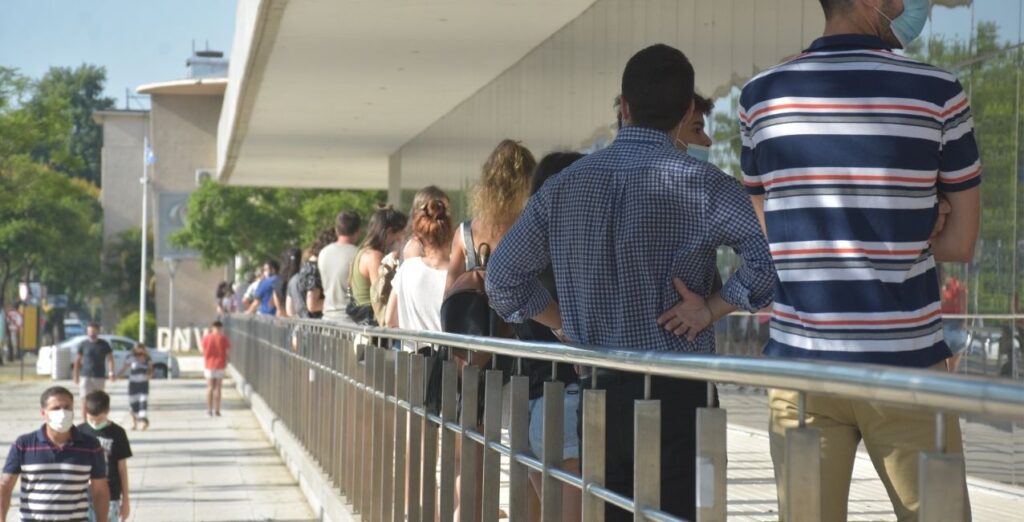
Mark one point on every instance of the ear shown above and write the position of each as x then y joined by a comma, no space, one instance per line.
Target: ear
689,111
627,119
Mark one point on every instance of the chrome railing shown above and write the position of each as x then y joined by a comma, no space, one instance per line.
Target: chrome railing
358,408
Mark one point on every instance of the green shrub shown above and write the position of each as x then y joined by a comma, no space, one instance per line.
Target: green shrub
129,327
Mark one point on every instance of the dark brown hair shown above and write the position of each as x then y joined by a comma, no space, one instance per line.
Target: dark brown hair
97,402
347,223
702,105
55,391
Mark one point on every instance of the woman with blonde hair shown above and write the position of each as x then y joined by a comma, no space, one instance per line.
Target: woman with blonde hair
495,203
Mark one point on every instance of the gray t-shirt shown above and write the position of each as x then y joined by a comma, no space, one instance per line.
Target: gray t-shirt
298,296
94,358
335,263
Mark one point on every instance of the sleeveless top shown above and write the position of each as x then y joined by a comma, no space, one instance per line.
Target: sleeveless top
360,284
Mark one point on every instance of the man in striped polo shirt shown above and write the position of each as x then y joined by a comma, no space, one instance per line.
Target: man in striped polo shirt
849,151
59,466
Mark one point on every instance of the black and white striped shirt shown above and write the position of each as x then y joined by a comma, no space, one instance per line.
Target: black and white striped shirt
55,480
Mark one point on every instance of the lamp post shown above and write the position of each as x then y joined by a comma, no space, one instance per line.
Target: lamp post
147,160
172,268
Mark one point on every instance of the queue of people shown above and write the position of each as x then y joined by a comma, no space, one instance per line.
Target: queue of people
860,173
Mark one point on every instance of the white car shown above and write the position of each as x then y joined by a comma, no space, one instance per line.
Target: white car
164,364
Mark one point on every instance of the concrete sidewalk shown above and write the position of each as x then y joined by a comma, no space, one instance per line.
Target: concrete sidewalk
186,466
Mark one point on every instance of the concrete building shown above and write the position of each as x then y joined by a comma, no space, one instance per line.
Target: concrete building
182,129
124,132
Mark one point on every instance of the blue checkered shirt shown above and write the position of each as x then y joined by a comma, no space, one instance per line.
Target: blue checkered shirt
617,226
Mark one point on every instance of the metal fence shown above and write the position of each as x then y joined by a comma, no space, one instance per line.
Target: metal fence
358,408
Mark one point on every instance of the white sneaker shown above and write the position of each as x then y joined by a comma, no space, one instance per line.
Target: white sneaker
209,413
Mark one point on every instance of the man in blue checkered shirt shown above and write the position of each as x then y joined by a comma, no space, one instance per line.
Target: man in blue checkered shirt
629,230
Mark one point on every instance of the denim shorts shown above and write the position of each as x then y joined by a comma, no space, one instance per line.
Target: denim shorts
570,438
115,509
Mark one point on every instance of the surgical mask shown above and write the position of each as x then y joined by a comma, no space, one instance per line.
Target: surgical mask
908,25
99,425
698,152
60,420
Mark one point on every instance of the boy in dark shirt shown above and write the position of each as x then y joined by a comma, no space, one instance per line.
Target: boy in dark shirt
115,445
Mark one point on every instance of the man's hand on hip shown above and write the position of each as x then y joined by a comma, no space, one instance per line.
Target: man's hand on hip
689,317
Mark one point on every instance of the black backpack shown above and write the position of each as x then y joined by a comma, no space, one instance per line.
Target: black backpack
467,310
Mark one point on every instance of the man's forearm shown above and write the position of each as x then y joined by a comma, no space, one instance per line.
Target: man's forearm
719,307
550,316
122,469
101,498
6,487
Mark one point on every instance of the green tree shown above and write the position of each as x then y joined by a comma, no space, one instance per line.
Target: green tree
260,223
318,212
223,221
121,265
129,327
991,76
49,230
78,92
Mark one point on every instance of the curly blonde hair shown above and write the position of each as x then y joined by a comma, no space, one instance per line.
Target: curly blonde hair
500,196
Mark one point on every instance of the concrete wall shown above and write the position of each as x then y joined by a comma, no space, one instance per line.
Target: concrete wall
184,135
121,168
559,96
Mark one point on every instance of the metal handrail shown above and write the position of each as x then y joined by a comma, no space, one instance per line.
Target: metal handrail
896,385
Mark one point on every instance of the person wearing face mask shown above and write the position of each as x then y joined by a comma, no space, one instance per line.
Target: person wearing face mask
60,466
92,359
864,171
692,137
117,450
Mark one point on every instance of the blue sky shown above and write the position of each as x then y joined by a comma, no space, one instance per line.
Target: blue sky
137,41
148,41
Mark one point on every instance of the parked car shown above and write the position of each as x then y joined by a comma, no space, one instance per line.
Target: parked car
164,364
73,328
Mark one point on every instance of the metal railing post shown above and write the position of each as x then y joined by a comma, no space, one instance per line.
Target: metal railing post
416,422
940,480
377,454
387,461
428,477
349,428
646,458
519,443
449,400
367,425
712,462
593,447
468,470
551,488
492,433
401,437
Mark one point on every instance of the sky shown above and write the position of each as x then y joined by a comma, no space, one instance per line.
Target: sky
139,42
148,41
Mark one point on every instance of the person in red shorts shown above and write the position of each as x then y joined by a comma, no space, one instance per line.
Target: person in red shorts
216,346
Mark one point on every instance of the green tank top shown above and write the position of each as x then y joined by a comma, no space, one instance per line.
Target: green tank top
360,284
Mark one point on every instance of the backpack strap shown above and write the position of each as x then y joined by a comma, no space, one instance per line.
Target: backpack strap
472,259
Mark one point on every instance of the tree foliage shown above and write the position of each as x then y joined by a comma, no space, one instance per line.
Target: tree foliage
122,262
260,223
50,223
74,94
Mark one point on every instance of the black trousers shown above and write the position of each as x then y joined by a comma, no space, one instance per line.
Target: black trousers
680,399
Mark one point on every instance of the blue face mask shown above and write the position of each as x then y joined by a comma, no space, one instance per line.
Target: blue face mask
698,152
908,26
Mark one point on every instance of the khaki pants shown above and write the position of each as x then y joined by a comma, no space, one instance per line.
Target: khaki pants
893,436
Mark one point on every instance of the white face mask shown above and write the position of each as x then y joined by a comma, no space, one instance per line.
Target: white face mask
60,420
98,425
